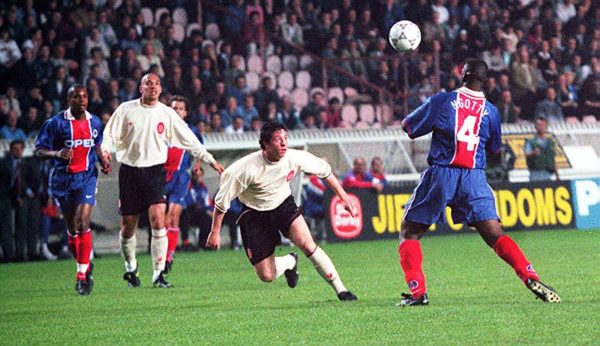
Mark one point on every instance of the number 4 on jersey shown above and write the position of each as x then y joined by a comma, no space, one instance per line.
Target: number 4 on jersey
467,133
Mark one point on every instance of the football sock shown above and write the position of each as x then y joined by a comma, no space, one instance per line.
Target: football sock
158,249
128,251
173,236
510,252
283,263
411,260
84,249
326,269
73,243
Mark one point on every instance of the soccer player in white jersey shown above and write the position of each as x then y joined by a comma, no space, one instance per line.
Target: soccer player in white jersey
141,131
261,180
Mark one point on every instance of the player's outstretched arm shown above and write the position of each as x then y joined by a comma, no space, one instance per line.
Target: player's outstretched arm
217,167
214,238
335,185
62,154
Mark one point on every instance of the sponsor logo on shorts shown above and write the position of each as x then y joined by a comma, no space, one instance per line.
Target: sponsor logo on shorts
343,224
160,128
89,196
290,176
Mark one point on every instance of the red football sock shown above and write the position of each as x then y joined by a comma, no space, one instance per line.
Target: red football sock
173,237
510,252
411,259
73,243
84,250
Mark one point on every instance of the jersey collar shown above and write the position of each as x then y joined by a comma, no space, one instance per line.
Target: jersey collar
470,92
69,115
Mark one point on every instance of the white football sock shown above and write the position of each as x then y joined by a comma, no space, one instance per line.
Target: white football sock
128,251
326,269
82,268
283,263
158,248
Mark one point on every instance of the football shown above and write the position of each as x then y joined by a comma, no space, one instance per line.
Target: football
405,36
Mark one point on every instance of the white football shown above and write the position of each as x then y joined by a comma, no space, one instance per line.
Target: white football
405,35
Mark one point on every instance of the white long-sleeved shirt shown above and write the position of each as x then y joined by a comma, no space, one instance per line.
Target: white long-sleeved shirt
141,135
263,185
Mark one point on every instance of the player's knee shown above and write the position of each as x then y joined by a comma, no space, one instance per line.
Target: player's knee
266,276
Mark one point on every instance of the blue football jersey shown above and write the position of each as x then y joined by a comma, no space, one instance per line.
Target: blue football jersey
82,136
464,125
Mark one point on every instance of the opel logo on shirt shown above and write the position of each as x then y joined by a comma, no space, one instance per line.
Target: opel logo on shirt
74,143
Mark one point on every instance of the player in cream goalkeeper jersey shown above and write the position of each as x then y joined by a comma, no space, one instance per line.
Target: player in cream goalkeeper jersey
261,180
141,131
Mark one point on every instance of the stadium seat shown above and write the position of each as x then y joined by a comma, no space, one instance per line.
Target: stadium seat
362,125
219,44
191,27
282,92
314,90
589,119
350,92
336,92
290,63
180,16
205,43
179,33
158,12
299,98
255,64
305,61
349,115
274,64
367,113
572,120
212,32
303,79
252,80
116,4
286,80
148,17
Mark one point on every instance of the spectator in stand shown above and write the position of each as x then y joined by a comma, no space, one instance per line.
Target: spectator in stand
549,108
292,31
174,81
43,66
290,114
148,57
509,112
150,37
129,91
106,29
317,102
377,172
234,70
229,112
524,82
357,177
247,111
12,102
255,124
25,69
33,99
265,94
96,59
238,126
334,113
253,33
568,96
541,152
131,41
31,123
10,131
95,40
224,57
272,114
199,208
9,51
353,62
216,124
239,89
232,24
590,99
56,90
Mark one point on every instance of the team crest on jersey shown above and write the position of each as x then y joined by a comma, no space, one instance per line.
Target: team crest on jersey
290,176
160,128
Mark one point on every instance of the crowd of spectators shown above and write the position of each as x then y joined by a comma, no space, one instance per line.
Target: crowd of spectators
544,56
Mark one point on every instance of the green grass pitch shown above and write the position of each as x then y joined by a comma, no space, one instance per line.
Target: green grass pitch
475,298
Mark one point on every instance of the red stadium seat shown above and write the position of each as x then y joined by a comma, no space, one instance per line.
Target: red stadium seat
349,115
252,80
367,113
191,27
158,12
179,33
336,92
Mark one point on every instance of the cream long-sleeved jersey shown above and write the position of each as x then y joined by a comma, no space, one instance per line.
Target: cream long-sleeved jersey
263,185
141,135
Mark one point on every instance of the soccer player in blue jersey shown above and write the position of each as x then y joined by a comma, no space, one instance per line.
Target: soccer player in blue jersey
178,163
71,140
465,126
